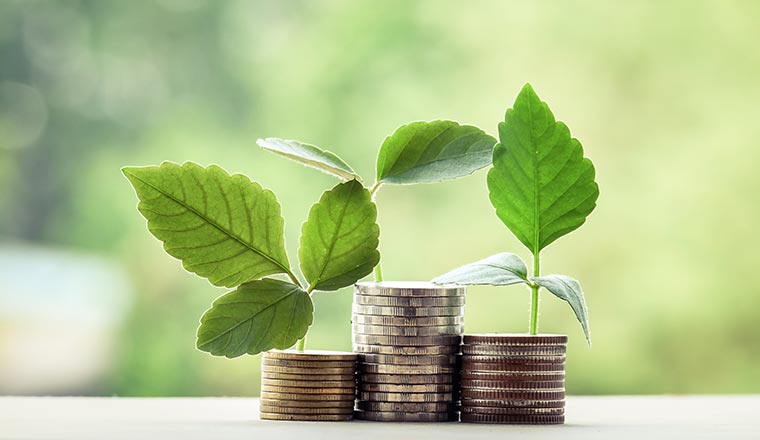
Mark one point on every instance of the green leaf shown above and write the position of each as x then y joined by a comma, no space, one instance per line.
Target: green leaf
224,228
540,184
568,289
311,156
339,240
256,317
497,270
424,152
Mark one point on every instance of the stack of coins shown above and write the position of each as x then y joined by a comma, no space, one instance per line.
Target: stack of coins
408,337
516,379
308,385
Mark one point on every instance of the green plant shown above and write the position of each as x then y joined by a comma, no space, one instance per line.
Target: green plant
542,188
229,230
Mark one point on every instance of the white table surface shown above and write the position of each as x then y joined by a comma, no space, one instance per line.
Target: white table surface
609,418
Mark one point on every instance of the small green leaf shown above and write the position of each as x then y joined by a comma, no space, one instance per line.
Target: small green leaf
540,184
568,289
497,270
339,240
425,152
224,228
256,317
311,156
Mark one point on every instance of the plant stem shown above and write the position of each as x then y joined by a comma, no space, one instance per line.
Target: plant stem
301,343
534,297
378,272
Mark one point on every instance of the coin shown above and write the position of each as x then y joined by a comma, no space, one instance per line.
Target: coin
295,410
309,383
504,350
410,379
415,289
311,355
407,321
304,370
515,359
514,339
400,359
407,331
484,393
307,377
392,416
512,377
308,403
515,403
407,311
304,390
406,369
406,397
306,397
395,301
306,364
405,349
307,417
511,411
395,388
513,385
406,406
468,365
407,340
513,419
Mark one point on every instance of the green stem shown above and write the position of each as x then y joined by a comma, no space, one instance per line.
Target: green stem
534,297
302,343
378,272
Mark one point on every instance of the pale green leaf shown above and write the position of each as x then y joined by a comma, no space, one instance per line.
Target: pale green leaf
224,228
311,156
497,270
424,152
256,317
540,184
339,240
568,289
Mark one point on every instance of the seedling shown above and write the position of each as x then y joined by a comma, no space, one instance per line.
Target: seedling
542,188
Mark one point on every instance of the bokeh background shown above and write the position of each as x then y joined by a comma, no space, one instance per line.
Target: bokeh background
663,95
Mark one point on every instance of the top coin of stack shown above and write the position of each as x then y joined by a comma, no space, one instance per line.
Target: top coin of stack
515,379
408,337
308,385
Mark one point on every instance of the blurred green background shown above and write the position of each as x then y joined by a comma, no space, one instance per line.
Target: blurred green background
663,95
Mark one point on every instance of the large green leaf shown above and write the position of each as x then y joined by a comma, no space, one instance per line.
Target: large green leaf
339,240
225,228
423,152
258,316
568,289
497,270
310,155
540,184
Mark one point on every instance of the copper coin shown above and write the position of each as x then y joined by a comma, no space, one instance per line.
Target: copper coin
511,410
513,385
407,340
507,351
515,359
306,364
306,397
407,321
484,393
407,311
406,388
406,349
509,367
514,339
308,403
311,355
406,369
304,390
309,383
409,301
409,379
513,419
307,417
512,377
394,416
406,397
407,288
406,406
295,410
303,370
389,330
308,377
524,403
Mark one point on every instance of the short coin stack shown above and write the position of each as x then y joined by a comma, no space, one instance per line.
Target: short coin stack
408,337
308,385
516,379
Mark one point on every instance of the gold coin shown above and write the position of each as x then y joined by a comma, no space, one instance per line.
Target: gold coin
400,359
294,410
407,288
406,349
311,355
308,371
307,417
395,301
394,388
306,364
406,397
308,377
406,369
407,340
299,397
407,311
407,331
392,416
410,379
407,321
345,404
304,390
309,383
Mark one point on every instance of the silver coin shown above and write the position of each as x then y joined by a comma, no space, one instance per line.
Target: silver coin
298,397
392,416
310,355
306,364
308,383
408,301
406,406
502,350
407,340
407,388
407,311
406,397
410,379
307,377
407,321
516,359
400,359
406,349
300,410
407,331
348,404
406,288
406,369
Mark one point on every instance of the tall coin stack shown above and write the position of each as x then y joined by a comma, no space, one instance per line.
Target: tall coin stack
408,336
308,385
515,379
